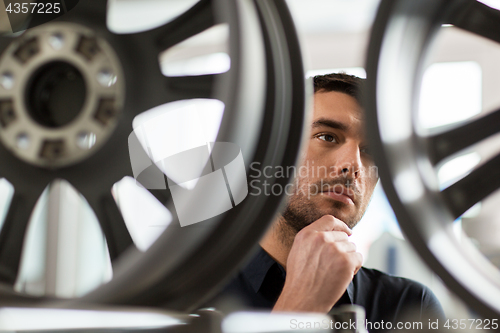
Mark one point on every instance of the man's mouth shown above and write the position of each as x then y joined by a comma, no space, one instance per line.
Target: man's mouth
340,193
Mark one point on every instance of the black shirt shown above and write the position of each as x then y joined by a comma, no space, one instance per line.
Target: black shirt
385,298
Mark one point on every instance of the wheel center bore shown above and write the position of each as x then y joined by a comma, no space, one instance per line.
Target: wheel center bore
56,94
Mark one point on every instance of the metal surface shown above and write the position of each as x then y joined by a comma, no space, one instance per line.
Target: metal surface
264,98
407,161
67,85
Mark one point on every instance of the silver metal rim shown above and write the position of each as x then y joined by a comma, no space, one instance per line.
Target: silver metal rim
264,96
400,39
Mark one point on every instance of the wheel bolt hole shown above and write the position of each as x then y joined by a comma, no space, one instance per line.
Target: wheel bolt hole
87,47
52,149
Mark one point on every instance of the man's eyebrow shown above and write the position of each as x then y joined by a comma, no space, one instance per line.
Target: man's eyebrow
330,123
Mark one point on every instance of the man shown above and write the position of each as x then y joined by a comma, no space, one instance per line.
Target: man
306,261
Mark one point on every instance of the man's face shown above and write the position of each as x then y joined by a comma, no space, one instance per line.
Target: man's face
337,175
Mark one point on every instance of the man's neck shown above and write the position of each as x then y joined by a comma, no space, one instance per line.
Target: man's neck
278,241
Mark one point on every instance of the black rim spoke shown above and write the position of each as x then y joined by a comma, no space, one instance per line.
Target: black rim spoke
476,18
13,232
160,89
4,42
176,88
195,20
155,182
165,198
112,224
474,187
94,11
99,6
450,142
186,87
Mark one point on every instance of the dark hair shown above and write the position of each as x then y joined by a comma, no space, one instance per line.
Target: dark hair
341,82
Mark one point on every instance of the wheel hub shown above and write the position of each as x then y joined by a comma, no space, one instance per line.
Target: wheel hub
61,94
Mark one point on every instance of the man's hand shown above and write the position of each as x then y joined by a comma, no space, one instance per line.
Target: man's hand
320,266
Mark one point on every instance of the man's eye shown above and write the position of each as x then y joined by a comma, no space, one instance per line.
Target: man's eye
365,150
327,138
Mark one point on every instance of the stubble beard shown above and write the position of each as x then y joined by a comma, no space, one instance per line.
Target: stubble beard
300,211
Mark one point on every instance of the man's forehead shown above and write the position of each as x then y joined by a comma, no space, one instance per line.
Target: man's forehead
337,107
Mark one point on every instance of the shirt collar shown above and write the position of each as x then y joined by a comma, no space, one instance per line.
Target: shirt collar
350,292
256,270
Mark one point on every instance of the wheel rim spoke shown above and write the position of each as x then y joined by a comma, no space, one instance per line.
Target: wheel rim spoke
95,9
193,21
474,187
185,87
165,198
14,229
450,142
99,6
4,42
112,223
154,181
477,18
173,89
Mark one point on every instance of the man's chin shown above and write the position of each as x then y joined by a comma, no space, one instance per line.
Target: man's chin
300,215
338,209
346,214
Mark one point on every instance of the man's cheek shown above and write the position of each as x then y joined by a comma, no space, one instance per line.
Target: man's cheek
373,172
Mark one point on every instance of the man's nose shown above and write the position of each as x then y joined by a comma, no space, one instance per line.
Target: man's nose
350,171
350,161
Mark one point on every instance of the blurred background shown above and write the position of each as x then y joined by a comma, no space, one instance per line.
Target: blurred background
459,83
